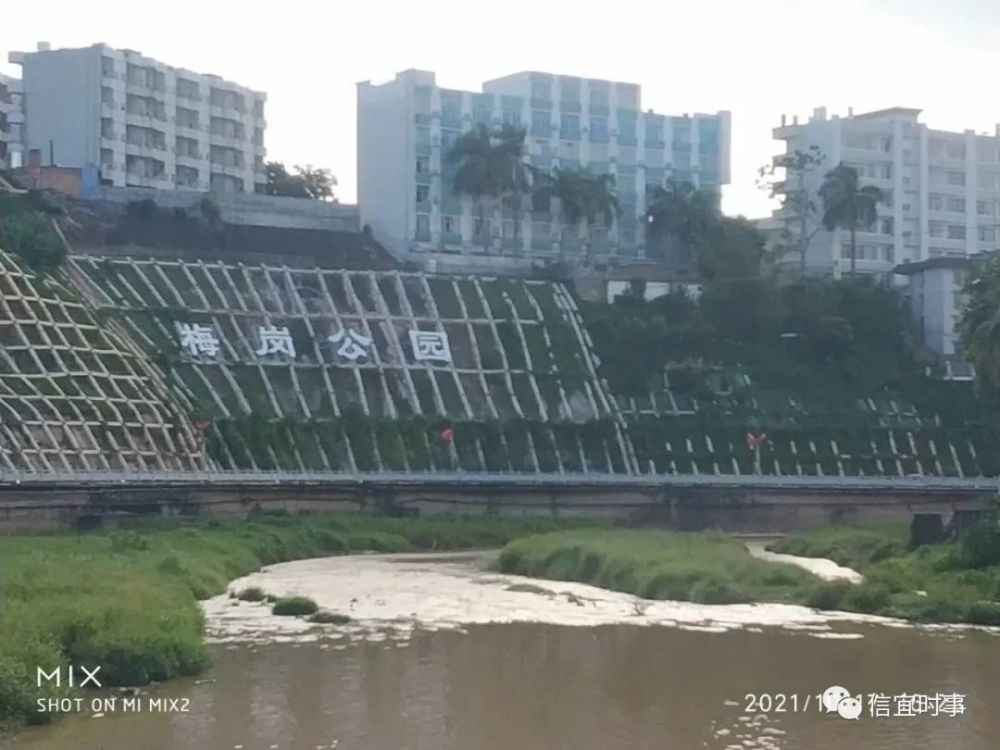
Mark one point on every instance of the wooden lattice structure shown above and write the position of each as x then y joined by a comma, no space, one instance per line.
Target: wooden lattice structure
74,395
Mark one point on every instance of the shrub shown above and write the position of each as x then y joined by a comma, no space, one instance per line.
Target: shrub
716,591
867,597
294,606
828,595
31,236
984,613
329,618
252,594
979,545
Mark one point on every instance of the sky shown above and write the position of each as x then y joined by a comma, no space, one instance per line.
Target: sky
756,58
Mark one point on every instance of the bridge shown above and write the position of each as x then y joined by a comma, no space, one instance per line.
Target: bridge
686,501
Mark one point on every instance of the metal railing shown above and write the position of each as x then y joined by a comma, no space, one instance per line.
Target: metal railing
916,484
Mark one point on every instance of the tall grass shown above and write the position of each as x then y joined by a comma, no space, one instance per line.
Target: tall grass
956,581
705,567
127,600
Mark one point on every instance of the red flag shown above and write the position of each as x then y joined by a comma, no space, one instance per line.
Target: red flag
755,439
446,436
201,425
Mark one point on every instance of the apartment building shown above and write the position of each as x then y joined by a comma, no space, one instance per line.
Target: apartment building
138,122
941,189
407,126
11,121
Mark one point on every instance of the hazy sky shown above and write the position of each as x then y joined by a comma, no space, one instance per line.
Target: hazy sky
757,58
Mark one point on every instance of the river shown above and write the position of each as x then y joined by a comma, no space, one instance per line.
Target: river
443,654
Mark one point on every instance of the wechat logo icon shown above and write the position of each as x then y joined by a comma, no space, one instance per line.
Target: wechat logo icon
837,699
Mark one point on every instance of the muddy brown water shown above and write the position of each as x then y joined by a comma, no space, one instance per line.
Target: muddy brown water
429,681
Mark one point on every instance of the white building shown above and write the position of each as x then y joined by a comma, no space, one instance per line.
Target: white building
11,121
941,188
407,126
937,292
140,122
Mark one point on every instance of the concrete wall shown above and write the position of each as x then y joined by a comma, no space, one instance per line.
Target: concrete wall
62,106
245,209
736,509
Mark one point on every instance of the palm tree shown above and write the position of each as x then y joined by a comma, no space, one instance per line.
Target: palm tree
600,206
490,164
584,199
513,179
848,205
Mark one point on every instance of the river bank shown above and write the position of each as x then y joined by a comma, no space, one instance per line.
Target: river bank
127,599
875,573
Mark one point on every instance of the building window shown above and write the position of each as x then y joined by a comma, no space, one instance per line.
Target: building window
512,117
626,130
541,89
984,208
956,205
107,128
935,202
187,89
107,66
955,178
423,165
423,193
107,96
956,232
599,129
654,133
569,127
187,118
423,227
987,234
955,150
935,228
449,224
541,124
885,226
598,95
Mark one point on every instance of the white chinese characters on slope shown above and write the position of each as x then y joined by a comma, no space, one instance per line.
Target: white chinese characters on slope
275,340
198,340
352,345
430,346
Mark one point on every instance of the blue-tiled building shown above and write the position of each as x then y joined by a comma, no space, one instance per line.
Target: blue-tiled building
407,126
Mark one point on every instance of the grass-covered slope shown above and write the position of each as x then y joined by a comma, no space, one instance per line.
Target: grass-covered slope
521,393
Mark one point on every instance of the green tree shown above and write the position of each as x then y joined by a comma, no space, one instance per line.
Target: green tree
490,165
585,201
789,178
685,226
848,205
31,236
307,182
980,324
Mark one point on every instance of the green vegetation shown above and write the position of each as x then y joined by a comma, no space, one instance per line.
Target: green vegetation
27,231
252,594
957,581
294,606
325,617
981,325
127,599
953,582
706,567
